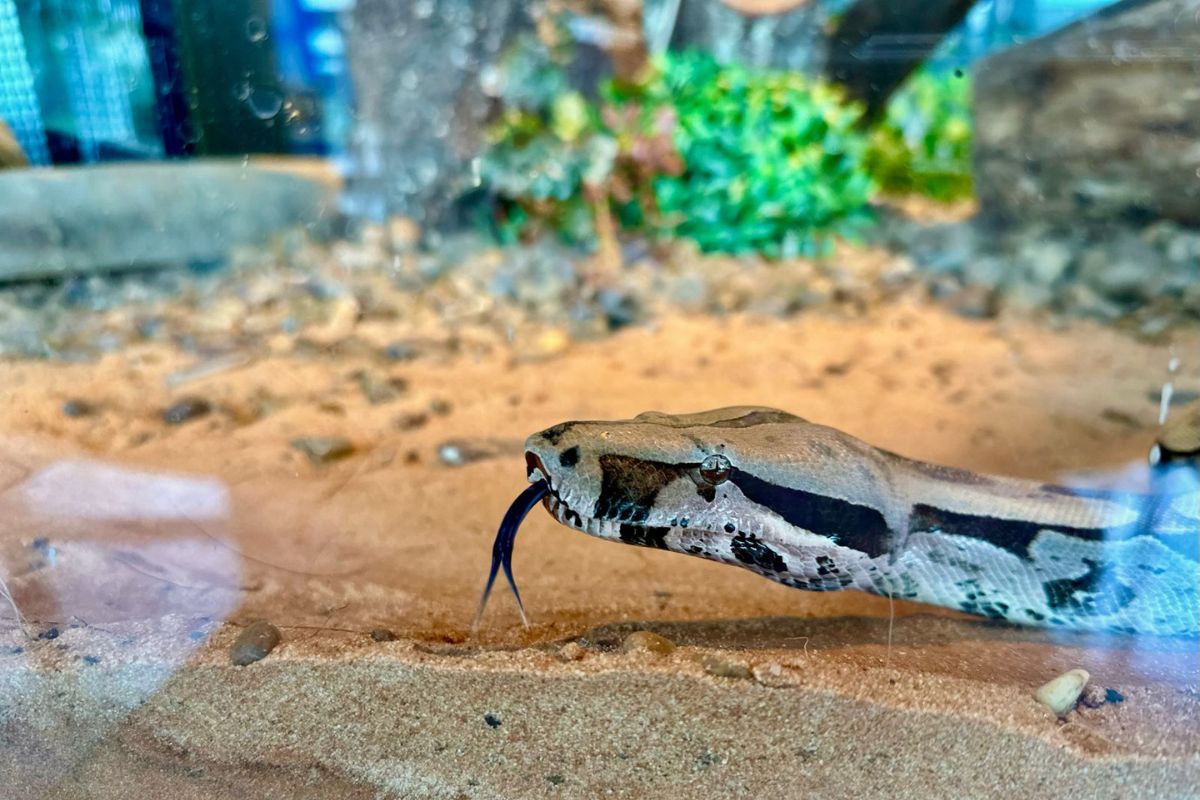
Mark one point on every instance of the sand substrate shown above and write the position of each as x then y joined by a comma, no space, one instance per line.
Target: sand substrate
139,551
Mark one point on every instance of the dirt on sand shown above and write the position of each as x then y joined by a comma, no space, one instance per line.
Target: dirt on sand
139,550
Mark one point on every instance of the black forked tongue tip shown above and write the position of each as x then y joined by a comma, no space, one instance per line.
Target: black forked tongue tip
502,548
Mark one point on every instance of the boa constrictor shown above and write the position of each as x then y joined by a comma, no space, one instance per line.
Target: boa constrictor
811,507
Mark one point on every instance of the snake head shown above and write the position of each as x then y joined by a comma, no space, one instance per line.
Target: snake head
655,471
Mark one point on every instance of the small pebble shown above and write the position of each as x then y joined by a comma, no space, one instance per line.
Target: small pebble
1061,694
400,351
378,391
91,660
323,449
647,642
572,651
79,408
254,643
1092,696
186,409
49,633
556,780
1113,696
440,406
723,668
492,720
382,635
411,421
460,452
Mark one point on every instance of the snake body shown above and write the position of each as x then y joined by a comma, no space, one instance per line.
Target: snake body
814,508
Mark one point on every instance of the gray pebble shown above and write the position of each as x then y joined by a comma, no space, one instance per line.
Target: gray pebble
323,449
185,409
254,643
79,408
409,421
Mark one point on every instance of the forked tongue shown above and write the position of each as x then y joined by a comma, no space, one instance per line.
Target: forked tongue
502,549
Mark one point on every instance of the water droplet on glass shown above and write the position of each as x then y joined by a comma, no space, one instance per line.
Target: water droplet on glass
265,101
256,29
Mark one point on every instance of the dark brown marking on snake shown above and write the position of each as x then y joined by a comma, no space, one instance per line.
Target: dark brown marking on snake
1093,593
1012,535
645,535
569,457
629,486
850,525
755,553
554,433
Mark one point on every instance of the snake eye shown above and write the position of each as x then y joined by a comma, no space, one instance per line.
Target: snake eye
715,469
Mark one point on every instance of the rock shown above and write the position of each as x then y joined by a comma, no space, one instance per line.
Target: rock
647,642
186,409
99,218
411,421
1125,269
1044,151
976,302
1092,696
378,391
400,351
572,651
722,667
1025,297
620,308
1045,261
460,452
79,408
1083,300
987,270
254,643
382,635
324,449
943,248
1061,694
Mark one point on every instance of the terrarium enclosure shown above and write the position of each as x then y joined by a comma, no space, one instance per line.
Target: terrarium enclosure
296,297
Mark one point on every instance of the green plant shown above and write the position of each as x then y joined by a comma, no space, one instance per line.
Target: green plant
923,143
772,160
738,160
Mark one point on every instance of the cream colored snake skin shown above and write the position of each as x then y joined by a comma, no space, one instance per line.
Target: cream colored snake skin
817,509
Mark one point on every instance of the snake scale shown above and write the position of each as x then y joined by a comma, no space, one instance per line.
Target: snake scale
817,509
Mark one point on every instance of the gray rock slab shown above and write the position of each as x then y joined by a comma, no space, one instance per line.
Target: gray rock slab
1098,122
79,220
